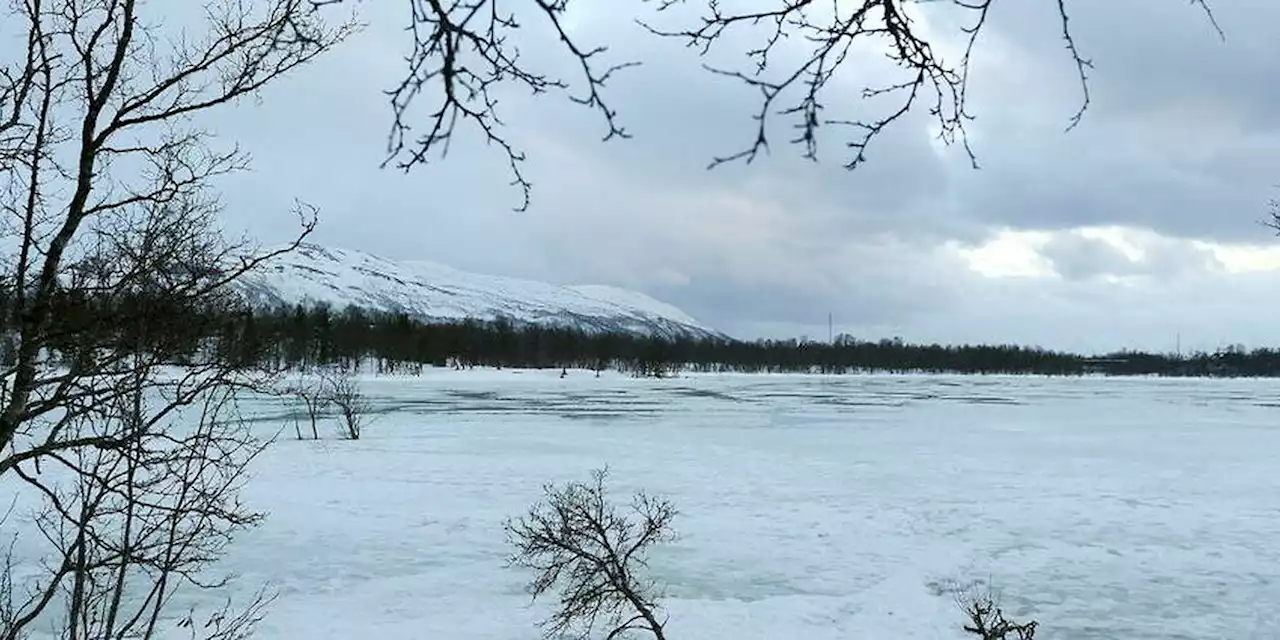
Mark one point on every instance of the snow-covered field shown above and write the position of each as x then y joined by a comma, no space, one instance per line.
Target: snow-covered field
812,507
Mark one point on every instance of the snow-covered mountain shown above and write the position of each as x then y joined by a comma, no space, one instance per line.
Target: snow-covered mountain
433,292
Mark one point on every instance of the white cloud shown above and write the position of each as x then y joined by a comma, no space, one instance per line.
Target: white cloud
1010,253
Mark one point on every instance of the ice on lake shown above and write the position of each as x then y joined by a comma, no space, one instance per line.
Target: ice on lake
811,507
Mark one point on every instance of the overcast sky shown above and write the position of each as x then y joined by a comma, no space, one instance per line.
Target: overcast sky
1139,225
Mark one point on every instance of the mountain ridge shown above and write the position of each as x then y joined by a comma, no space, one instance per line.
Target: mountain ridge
432,292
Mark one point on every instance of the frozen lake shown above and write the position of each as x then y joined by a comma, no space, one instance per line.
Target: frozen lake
811,507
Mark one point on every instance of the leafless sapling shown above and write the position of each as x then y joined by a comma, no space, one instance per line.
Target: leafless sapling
314,394
343,392
594,555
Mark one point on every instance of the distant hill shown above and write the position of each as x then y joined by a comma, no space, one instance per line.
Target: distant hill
433,292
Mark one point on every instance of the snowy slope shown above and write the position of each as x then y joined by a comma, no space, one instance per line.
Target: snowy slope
434,292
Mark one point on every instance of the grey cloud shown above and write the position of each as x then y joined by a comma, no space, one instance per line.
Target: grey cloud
1173,258
1078,257
682,117
1035,176
783,241
1115,172
1068,185
320,135
1205,311
1202,313
1182,135
865,291
742,257
1149,53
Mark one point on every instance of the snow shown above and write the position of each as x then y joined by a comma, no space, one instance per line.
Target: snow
636,300
811,506
434,292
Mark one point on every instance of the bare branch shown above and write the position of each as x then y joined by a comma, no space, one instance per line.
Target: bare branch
986,619
343,391
464,52
464,57
580,544
1273,215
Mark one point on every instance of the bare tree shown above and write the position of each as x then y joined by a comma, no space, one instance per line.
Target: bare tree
579,543
116,410
129,528
315,395
343,392
8,599
986,619
466,51
108,186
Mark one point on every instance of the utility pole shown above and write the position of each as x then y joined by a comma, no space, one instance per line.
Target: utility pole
831,336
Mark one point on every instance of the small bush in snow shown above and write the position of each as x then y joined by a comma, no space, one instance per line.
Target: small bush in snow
353,407
582,545
986,619
314,395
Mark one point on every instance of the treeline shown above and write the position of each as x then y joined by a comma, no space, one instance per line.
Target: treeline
303,337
